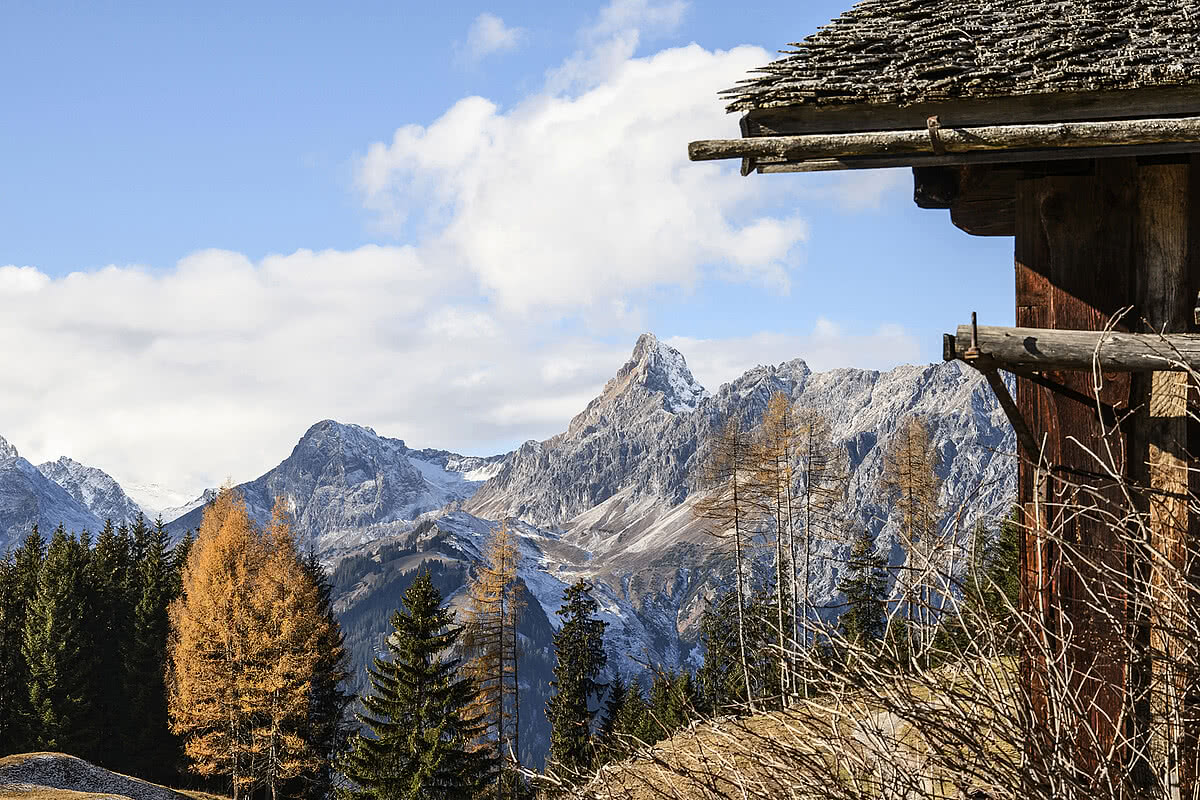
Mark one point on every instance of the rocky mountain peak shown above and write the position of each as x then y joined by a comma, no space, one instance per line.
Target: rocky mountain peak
7,451
659,368
93,488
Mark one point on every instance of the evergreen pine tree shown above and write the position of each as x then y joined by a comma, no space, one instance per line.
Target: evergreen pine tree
19,574
326,730
109,627
153,748
618,694
865,585
993,575
580,660
991,591
635,726
417,712
720,680
57,649
662,721
179,558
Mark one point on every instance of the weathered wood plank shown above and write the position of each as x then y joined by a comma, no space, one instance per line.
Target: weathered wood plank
1060,106
1074,254
1053,349
970,139
986,204
1158,446
915,160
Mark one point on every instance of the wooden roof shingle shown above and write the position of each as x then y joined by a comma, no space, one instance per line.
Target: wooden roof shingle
900,52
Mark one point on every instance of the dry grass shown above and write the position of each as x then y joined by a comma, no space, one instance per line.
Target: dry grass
856,743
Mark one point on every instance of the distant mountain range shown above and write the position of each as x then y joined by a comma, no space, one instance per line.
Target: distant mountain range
609,499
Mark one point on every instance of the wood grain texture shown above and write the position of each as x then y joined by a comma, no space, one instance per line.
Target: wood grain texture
1052,349
1166,101
1074,253
955,140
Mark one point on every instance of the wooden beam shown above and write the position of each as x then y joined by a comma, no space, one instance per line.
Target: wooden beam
986,204
954,140
1053,349
1159,458
763,167
1167,101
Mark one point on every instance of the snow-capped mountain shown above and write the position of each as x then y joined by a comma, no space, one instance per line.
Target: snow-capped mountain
94,489
28,498
345,485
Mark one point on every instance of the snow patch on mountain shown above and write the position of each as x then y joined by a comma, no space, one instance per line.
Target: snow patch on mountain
8,453
346,486
28,498
547,566
664,369
160,501
93,488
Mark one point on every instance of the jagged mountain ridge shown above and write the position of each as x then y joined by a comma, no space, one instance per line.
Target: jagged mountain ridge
28,498
345,485
93,488
634,454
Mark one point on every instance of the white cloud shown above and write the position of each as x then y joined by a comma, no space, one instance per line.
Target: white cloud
488,34
829,345
585,199
621,16
215,367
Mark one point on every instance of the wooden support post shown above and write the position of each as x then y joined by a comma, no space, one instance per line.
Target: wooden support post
1159,452
1074,250
1087,247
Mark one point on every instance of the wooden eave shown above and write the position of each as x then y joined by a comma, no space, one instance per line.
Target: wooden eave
967,154
816,117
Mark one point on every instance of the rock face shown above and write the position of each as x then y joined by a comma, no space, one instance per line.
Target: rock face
346,485
616,489
639,433
93,488
28,498
633,454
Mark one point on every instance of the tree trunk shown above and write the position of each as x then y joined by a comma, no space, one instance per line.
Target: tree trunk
741,605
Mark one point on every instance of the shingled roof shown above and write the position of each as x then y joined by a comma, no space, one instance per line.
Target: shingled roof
901,52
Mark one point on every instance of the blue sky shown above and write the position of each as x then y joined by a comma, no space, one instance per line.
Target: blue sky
448,222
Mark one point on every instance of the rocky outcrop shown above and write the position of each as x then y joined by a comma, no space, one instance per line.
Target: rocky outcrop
93,488
346,485
28,498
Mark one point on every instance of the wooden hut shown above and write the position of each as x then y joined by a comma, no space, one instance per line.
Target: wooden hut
1073,126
